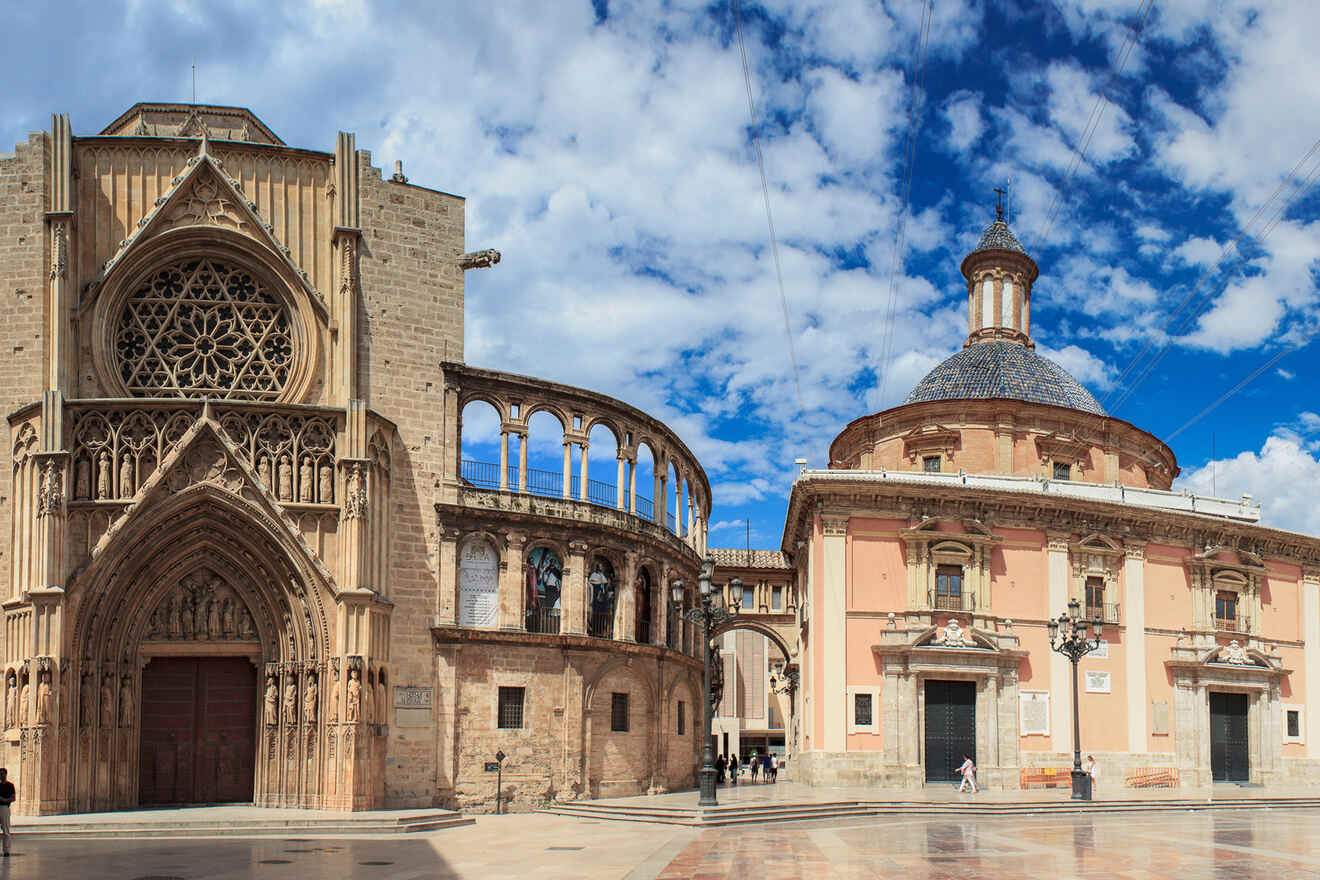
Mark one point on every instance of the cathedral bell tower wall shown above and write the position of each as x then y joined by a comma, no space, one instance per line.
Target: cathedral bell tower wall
409,320
24,180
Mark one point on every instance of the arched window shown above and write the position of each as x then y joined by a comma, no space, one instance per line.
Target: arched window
987,303
1007,310
600,591
543,577
478,584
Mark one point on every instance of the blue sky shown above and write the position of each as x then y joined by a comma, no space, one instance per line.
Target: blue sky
604,149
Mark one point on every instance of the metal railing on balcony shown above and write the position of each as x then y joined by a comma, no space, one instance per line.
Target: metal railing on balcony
672,637
550,484
600,625
1106,613
643,634
1232,624
958,602
543,620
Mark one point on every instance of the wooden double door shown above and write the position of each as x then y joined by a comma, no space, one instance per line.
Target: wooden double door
1230,754
198,731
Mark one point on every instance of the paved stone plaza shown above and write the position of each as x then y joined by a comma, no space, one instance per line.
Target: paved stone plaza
1181,845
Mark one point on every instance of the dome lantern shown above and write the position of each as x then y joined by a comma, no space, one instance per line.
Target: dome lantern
999,275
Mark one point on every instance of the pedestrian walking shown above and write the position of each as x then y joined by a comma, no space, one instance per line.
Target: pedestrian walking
754,765
773,768
968,771
7,797
766,760
721,764
733,768
1093,770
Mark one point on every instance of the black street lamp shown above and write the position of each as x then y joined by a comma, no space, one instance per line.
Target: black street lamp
707,615
1068,637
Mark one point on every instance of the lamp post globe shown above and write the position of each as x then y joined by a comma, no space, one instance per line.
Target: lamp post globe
707,616
1068,637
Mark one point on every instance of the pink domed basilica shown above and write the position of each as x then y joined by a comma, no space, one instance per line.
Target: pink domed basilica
948,531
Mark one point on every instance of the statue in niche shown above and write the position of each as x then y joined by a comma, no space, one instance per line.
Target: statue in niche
126,702
327,485
227,618
305,480
263,471
382,713
108,701
333,717
355,494
45,698
126,477
11,700
272,700
291,702
81,483
246,628
153,625
87,701
103,476
309,699
186,617
1235,653
285,479
199,614
353,705
214,629
23,702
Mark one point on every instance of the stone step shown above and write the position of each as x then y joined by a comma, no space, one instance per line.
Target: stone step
742,814
247,827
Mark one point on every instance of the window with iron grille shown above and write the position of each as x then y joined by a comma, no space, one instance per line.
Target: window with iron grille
511,708
1062,470
931,464
1294,723
862,710
948,580
619,713
682,717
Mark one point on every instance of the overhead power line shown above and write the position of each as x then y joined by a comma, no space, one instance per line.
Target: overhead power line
1093,122
769,216
905,188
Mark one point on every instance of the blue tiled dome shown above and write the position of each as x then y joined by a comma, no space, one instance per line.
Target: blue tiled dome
998,235
1007,370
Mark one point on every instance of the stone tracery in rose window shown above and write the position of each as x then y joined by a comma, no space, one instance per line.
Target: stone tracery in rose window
204,328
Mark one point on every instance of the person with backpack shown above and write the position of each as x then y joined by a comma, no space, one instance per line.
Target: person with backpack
754,765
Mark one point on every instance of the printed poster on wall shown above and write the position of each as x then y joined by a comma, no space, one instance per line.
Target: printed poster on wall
1034,709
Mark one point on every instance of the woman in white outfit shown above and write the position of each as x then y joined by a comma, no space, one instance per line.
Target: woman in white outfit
968,771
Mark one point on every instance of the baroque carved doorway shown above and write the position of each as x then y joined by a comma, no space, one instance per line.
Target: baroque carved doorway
198,731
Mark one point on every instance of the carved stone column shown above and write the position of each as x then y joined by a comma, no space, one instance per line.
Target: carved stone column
625,601
574,598
512,583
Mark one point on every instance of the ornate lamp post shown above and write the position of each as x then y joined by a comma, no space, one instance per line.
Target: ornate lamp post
707,615
1068,637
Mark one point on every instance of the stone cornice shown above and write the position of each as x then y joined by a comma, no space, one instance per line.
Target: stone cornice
460,635
1061,513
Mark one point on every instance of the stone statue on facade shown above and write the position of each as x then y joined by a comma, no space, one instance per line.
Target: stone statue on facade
126,477
108,701
126,702
214,629
246,628
353,705
263,471
285,479
272,700
291,702
227,618
1235,653
327,485
81,483
382,716
309,699
23,701
103,476
11,700
306,480
333,716
45,698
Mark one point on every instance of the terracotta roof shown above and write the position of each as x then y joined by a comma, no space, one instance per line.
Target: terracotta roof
737,557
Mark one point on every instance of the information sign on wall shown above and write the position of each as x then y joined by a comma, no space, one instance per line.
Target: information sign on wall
1097,682
1034,708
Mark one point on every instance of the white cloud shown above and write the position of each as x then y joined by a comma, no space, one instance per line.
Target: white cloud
1281,477
1083,366
962,113
1199,251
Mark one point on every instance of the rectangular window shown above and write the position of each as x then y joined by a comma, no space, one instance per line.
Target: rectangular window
931,464
748,599
776,598
862,710
511,708
948,580
1095,597
682,718
1294,724
1062,470
619,713
1226,605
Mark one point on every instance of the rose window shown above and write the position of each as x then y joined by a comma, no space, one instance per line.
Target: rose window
203,328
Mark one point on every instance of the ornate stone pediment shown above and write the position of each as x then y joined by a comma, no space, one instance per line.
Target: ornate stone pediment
930,440
1060,447
952,634
201,607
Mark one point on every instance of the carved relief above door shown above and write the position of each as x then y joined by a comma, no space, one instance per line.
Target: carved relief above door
202,608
